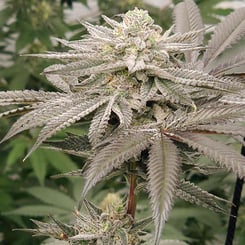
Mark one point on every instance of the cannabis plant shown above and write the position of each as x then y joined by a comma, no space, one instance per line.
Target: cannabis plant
151,97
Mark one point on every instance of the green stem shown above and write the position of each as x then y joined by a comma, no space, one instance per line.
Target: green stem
132,185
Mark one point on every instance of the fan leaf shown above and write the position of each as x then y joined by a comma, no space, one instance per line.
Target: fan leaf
228,128
193,78
220,153
214,115
228,64
26,97
122,148
78,69
187,18
194,194
66,118
163,169
40,114
226,33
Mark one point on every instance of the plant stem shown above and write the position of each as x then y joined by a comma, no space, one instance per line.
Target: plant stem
234,209
234,212
132,185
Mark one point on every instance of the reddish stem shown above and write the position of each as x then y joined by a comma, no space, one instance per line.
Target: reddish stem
132,196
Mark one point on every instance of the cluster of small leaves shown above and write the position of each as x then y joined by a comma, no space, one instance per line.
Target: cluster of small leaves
144,90
101,226
106,225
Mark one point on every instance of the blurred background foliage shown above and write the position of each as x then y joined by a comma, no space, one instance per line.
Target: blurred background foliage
26,189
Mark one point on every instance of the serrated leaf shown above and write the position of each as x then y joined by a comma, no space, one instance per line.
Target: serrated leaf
163,171
228,128
121,149
25,97
60,55
39,116
78,71
214,115
16,111
226,33
201,79
237,99
217,151
194,78
187,18
228,64
194,194
65,118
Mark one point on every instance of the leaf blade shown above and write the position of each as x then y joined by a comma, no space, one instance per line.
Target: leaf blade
226,33
163,169
121,149
222,154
